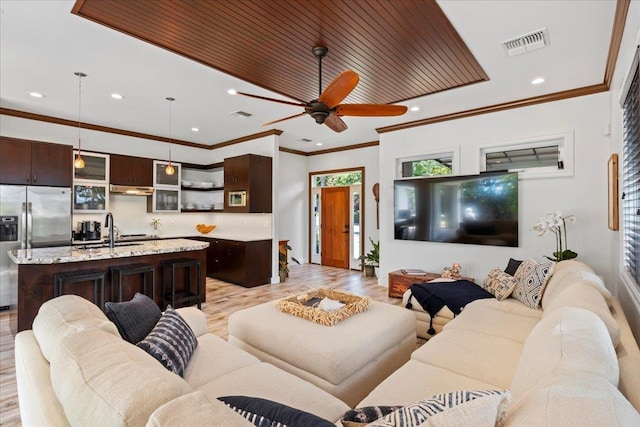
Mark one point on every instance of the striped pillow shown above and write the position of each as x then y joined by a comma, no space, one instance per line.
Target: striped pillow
419,412
171,342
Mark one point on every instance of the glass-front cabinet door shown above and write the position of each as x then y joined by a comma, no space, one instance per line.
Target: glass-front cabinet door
166,196
96,167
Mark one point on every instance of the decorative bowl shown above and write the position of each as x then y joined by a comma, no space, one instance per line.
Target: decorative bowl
205,229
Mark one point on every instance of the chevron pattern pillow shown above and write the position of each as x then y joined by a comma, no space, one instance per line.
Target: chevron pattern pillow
532,278
171,342
419,412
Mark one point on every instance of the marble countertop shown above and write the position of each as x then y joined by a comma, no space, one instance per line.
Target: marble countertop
65,254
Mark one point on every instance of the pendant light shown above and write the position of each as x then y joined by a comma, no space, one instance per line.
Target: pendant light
170,170
78,162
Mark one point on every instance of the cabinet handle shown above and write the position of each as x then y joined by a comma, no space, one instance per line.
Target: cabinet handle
35,178
28,178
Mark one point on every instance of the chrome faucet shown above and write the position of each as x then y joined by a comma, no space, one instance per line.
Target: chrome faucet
108,221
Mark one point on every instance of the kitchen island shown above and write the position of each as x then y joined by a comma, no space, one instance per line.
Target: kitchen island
33,270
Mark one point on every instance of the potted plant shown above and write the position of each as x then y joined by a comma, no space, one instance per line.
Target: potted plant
371,260
283,270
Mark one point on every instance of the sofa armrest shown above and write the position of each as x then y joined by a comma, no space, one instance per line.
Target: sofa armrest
195,318
39,405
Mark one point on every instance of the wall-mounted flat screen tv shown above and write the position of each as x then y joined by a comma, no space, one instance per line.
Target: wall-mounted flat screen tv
476,209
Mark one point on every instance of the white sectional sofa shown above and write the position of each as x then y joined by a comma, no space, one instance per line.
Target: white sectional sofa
73,368
574,362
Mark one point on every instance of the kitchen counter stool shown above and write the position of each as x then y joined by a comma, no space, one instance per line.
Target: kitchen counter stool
187,295
120,271
94,275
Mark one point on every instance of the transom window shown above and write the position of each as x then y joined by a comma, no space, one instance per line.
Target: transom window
525,158
438,162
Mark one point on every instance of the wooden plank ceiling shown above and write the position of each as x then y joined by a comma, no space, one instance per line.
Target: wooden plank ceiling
402,49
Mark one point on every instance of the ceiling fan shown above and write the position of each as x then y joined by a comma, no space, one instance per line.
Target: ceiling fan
327,108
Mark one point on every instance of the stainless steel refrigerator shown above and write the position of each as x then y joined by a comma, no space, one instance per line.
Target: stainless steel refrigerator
30,217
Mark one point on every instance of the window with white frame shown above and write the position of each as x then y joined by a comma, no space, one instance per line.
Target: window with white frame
631,171
428,164
537,157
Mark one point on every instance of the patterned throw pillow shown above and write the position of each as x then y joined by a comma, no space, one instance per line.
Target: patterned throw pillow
171,342
419,412
134,319
267,413
499,284
365,415
532,278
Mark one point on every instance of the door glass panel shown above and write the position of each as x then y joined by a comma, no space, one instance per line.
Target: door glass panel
316,224
355,210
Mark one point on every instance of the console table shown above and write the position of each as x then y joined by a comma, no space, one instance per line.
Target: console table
399,282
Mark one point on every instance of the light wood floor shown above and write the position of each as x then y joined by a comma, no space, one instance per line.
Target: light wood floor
222,300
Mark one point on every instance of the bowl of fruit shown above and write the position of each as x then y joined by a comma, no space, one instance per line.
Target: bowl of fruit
204,228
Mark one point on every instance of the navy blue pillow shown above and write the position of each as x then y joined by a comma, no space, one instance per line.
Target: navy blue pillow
512,267
266,413
134,319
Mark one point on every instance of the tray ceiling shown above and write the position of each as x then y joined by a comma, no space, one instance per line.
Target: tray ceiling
402,49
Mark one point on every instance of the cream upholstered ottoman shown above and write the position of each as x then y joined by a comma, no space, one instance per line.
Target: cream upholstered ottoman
347,360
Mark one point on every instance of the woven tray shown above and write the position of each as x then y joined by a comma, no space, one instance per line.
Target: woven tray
296,305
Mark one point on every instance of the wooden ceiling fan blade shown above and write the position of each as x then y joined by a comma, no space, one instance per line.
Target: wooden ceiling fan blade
335,123
296,104
339,88
369,110
286,118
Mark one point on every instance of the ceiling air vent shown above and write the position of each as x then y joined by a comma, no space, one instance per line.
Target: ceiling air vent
241,114
305,140
526,43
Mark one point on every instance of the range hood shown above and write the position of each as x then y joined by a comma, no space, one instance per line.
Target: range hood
131,190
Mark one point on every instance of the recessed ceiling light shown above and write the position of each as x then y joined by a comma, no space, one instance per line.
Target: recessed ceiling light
415,108
195,129
116,96
537,81
232,92
319,144
36,94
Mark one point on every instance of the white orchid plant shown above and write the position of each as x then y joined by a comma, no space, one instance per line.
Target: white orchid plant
557,224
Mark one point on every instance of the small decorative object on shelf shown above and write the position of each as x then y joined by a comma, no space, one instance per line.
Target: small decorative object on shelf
556,223
155,223
453,272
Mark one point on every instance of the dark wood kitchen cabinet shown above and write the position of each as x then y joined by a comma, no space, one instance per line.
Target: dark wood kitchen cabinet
25,162
246,264
129,170
247,184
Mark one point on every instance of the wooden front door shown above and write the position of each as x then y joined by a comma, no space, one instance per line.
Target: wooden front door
335,227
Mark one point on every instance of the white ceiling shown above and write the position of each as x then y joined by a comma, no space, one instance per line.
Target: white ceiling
42,44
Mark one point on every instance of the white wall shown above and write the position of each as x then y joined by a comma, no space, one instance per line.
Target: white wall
293,207
584,194
624,288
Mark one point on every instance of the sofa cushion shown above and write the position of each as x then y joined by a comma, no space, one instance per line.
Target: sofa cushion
171,342
532,278
567,340
485,413
215,357
499,284
410,383
134,319
194,409
268,382
486,357
571,399
269,413
65,315
500,319
98,376
589,298
561,279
